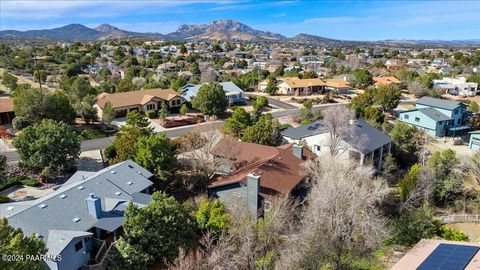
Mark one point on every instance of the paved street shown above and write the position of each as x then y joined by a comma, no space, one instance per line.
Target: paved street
97,144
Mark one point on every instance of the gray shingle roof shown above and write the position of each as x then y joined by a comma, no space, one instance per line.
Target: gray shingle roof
189,91
60,212
439,103
363,137
59,239
434,114
304,131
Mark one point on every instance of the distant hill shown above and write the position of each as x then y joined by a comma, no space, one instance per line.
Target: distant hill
223,30
79,32
218,30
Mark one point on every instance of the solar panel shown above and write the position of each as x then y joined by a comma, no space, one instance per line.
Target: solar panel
449,257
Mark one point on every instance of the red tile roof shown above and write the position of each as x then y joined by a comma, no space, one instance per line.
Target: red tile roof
279,169
6,105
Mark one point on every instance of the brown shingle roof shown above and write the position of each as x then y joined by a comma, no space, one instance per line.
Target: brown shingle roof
279,169
6,105
294,82
385,80
126,99
337,83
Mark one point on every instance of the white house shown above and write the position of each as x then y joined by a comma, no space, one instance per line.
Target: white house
457,86
364,144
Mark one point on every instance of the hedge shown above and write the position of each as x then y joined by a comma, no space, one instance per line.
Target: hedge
151,114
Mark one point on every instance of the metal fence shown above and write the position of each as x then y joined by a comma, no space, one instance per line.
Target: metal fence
459,218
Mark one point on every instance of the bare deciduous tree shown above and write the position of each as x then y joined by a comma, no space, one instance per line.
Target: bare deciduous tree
422,191
337,121
341,219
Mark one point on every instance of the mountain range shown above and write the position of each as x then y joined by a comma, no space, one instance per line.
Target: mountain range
218,30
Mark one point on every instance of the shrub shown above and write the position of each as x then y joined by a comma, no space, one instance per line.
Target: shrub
285,126
20,123
25,180
305,122
151,114
453,234
110,152
184,109
4,199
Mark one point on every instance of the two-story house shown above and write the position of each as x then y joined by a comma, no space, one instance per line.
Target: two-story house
437,117
254,174
365,144
79,220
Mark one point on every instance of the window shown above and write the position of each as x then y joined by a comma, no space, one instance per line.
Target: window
459,120
417,119
78,245
317,147
406,116
150,106
179,101
456,111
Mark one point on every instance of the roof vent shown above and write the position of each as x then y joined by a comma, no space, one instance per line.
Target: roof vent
10,208
139,172
81,187
129,183
42,205
76,219
118,193
63,196
113,172
130,166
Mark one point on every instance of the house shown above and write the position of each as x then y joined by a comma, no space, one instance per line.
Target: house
474,140
441,254
168,67
6,110
438,62
141,101
365,144
437,117
386,80
341,86
457,86
233,93
296,86
84,216
254,175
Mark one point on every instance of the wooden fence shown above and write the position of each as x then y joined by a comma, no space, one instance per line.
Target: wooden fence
458,218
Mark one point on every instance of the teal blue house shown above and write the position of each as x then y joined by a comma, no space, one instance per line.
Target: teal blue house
437,117
474,140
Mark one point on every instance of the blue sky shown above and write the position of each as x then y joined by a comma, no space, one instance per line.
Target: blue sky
349,20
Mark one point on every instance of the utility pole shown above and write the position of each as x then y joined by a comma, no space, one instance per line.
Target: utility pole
37,69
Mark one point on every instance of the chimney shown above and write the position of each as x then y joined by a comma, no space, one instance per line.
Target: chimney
94,206
253,186
297,151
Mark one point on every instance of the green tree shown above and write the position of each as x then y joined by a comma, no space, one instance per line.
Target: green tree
49,146
387,96
237,124
86,110
184,109
108,114
138,120
362,101
81,87
407,184
58,107
374,116
125,143
390,169
266,131
155,232
405,139
448,185
272,87
211,99
3,167
163,113
9,80
156,154
473,107
363,77
212,217
260,103
414,225
13,242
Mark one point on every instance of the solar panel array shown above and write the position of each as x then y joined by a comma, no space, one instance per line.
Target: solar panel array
449,257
